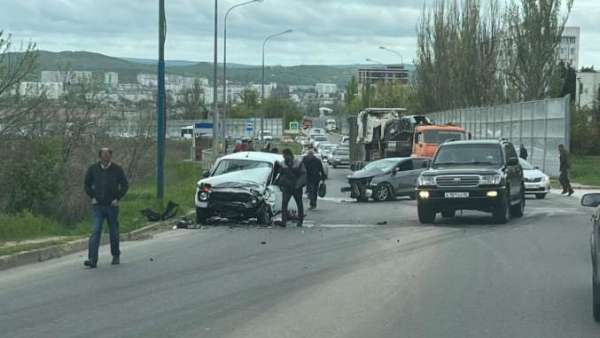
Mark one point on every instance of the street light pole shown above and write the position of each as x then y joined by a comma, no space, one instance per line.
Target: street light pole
160,104
374,61
225,62
262,87
215,115
393,52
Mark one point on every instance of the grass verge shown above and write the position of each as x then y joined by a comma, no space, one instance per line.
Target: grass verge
585,170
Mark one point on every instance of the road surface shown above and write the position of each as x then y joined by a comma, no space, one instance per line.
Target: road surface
356,270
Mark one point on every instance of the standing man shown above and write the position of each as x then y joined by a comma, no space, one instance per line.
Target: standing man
291,180
314,175
523,152
565,166
105,184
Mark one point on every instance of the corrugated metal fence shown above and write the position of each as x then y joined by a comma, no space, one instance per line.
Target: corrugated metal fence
539,125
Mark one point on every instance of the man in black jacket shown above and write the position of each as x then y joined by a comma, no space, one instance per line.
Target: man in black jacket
314,175
105,184
565,166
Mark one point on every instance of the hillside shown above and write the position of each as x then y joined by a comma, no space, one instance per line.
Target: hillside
129,68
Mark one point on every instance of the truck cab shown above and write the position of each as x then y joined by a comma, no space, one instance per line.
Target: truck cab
428,138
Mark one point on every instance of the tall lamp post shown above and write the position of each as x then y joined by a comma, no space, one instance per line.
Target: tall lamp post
262,87
373,61
393,52
160,104
215,115
225,61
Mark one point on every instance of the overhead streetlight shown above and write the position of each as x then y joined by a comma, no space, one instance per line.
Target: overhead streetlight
215,114
374,61
225,61
393,52
262,88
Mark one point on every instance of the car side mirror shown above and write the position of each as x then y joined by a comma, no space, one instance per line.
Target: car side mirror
513,161
206,174
536,167
591,200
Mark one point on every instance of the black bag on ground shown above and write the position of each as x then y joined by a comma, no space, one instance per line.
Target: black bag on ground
322,189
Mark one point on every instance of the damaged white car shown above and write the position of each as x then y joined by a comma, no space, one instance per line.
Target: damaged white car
239,187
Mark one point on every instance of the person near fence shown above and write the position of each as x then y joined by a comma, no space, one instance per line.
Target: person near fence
565,166
291,178
523,152
315,173
105,184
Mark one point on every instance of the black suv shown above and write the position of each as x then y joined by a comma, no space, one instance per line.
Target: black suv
480,175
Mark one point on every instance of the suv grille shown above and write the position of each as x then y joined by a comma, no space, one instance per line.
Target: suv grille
229,197
457,181
533,180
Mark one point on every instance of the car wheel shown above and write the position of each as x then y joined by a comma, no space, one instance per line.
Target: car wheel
382,193
201,216
426,213
264,216
502,212
412,196
334,166
540,196
448,213
519,209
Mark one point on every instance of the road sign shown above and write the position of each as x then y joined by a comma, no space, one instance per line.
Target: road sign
249,126
294,125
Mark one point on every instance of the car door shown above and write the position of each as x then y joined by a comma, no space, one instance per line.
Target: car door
514,172
404,177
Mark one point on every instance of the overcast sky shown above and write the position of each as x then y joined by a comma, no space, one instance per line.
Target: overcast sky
325,31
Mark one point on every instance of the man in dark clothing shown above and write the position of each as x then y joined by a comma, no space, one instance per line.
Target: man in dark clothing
314,175
105,184
291,179
565,166
523,152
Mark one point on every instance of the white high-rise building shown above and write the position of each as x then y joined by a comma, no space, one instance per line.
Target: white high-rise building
326,89
588,85
52,90
569,46
111,79
68,77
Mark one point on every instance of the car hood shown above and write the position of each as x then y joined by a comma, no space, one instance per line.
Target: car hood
462,171
251,179
365,173
533,173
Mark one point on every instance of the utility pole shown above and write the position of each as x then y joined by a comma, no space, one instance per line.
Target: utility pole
215,116
160,107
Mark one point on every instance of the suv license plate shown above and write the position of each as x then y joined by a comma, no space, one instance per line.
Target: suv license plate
456,195
202,204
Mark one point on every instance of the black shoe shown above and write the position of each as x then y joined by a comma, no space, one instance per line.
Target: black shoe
90,264
563,192
571,192
116,260
299,224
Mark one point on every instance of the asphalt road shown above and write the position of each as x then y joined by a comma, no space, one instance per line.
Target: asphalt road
342,276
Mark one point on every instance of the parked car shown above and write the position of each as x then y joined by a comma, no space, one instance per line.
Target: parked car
325,149
240,186
536,182
482,175
340,156
266,135
387,178
593,201
319,139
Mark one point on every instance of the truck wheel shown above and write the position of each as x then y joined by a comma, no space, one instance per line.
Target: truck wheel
264,216
502,212
426,213
201,216
448,213
519,209
382,193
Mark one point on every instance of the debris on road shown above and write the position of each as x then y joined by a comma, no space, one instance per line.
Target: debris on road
151,259
382,223
169,212
263,242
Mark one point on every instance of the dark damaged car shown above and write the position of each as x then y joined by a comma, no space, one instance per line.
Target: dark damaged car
239,187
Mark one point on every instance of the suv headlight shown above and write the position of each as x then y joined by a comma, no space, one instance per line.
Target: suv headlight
426,180
490,179
203,196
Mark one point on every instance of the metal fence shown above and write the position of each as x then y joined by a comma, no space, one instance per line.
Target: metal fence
539,125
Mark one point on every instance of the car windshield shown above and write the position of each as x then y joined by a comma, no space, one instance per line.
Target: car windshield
468,154
382,165
441,136
231,165
526,165
321,138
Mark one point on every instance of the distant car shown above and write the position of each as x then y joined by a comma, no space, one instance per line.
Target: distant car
319,138
340,156
536,182
325,149
240,186
593,201
387,178
266,135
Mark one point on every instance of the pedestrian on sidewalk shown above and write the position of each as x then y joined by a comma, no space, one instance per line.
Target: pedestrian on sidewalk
291,179
523,152
565,166
106,184
315,174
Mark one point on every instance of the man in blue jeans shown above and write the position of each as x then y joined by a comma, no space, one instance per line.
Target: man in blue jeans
105,184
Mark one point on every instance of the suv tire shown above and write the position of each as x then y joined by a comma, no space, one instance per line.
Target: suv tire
201,216
426,213
540,196
502,211
448,213
518,210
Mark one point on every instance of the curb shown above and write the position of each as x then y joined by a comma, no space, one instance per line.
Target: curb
56,251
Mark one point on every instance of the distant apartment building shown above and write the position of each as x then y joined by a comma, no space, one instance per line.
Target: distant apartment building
588,85
111,79
269,88
52,90
66,77
326,90
172,82
390,74
569,46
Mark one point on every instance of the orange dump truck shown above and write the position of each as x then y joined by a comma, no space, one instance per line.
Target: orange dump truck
427,138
